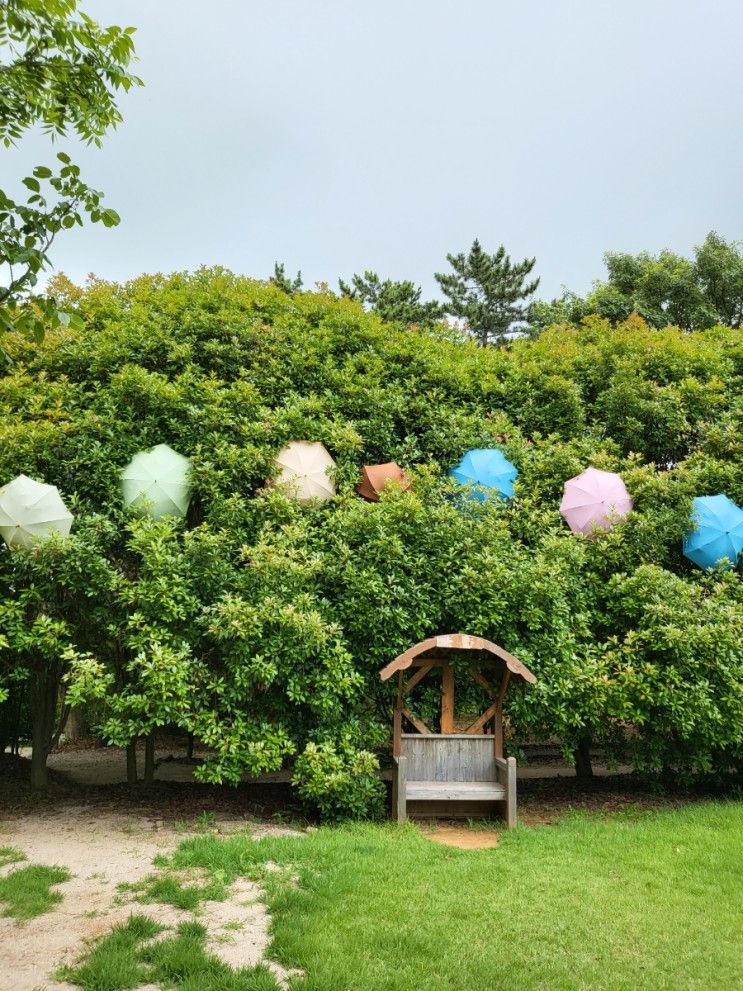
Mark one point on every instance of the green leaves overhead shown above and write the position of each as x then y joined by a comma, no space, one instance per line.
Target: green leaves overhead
61,72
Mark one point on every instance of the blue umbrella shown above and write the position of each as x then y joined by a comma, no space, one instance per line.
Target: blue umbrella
717,531
487,468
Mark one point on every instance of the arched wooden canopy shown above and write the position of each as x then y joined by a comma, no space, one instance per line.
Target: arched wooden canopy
456,641
436,653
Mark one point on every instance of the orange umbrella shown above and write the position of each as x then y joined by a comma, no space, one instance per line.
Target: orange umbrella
375,477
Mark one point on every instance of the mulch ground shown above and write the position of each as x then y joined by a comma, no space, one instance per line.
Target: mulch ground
542,801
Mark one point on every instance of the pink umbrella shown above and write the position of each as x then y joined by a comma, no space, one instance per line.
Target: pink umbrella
594,500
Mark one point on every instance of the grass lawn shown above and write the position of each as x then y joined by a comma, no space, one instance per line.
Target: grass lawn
27,892
652,901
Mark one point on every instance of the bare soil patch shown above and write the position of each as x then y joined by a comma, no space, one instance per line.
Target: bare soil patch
462,837
103,850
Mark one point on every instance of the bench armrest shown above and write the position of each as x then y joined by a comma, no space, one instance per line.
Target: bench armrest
505,773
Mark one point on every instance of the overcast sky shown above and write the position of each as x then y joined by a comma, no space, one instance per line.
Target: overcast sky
338,135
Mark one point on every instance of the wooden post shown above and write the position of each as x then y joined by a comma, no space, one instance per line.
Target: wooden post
447,699
498,715
511,793
498,732
396,732
401,778
397,718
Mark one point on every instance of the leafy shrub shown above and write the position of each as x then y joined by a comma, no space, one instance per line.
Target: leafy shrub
260,626
339,782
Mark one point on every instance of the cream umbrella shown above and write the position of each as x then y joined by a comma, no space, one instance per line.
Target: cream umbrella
157,482
303,472
31,511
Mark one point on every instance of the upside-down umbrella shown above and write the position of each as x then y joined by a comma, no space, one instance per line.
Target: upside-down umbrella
717,531
157,482
375,477
30,511
304,469
594,500
488,469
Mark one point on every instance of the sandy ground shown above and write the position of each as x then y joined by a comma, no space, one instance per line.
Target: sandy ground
462,837
101,852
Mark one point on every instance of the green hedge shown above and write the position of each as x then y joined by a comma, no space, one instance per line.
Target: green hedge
260,626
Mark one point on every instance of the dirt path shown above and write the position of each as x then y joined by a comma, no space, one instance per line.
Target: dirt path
101,852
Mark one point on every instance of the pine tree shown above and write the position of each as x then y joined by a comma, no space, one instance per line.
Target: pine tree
487,290
283,281
395,302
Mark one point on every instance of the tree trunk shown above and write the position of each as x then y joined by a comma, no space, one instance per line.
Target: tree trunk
582,757
131,762
189,751
75,728
43,714
149,759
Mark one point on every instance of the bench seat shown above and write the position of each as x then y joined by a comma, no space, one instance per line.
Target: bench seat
456,791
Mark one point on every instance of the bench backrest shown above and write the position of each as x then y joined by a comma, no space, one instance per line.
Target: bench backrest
449,757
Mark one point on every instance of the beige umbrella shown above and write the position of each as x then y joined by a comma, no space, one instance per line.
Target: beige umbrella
304,472
30,511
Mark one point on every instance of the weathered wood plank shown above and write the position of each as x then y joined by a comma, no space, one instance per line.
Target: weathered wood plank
447,700
511,794
452,810
418,723
498,733
399,808
482,681
477,725
506,767
463,791
457,757
419,675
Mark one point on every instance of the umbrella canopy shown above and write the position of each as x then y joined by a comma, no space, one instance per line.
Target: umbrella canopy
304,471
594,500
30,511
157,482
717,532
487,468
375,477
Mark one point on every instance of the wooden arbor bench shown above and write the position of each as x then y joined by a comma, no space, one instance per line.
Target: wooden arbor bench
448,773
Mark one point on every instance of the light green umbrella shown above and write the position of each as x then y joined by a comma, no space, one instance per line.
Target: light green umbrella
30,511
157,482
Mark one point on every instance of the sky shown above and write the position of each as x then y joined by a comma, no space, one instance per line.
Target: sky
340,135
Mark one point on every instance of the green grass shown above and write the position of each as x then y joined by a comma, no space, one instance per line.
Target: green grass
650,901
113,964
28,892
9,855
124,960
171,890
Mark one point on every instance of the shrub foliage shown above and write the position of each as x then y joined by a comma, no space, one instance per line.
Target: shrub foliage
260,626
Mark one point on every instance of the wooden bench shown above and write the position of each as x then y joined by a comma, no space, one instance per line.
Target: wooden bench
453,774
450,773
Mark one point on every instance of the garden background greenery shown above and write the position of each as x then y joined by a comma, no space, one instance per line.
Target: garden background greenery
260,626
